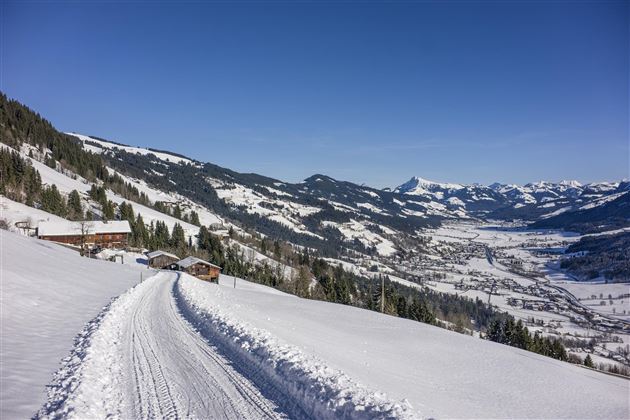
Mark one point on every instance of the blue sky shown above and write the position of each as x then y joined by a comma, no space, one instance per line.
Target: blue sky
370,92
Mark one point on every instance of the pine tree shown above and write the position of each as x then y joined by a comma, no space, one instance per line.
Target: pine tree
178,237
277,253
140,233
75,209
126,212
588,361
53,202
161,236
177,212
108,210
194,218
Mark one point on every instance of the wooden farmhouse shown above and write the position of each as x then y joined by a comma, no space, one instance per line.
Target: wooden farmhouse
161,259
112,234
198,268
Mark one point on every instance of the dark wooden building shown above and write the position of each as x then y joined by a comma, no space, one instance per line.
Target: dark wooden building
112,234
161,259
198,268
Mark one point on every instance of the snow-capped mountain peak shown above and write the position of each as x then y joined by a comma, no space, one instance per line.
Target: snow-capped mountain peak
571,183
418,185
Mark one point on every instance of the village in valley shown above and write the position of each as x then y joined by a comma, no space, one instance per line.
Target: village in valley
516,270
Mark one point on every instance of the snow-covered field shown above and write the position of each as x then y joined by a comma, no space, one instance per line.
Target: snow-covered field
47,294
177,346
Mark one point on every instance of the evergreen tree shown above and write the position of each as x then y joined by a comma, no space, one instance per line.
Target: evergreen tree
161,237
75,208
194,218
212,244
140,233
177,212
588,361
53,202
178,237
126,212
108,210
277,253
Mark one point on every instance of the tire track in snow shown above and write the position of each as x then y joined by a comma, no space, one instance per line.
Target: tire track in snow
146,361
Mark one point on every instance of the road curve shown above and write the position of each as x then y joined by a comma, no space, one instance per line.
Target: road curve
140,358
174,372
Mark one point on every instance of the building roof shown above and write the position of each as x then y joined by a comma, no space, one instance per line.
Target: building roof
66,227
188,261
158,253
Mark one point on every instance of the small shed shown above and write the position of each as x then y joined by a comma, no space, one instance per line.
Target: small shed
198,268
161,259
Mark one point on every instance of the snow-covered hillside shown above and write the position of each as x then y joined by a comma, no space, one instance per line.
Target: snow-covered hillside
48,293
96,145
440,373
285,354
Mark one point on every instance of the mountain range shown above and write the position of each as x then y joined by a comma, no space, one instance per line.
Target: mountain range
320,206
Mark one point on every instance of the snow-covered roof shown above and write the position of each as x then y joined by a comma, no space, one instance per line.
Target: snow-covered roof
188,261
66,227
155,254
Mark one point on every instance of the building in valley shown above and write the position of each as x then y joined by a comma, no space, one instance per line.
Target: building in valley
161,259
111,234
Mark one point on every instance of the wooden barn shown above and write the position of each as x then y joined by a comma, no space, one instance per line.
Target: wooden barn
198,268
112,234
161,259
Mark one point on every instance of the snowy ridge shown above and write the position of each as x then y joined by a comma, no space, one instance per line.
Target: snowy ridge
89,143
322,392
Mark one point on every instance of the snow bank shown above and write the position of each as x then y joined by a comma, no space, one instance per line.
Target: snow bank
88,385
333,348
322,392
47,294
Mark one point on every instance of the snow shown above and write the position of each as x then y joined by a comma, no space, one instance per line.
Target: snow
14,212
206,217
159,253
420,186
372,208
423,370
357,230
104,145
284,211
65,184
321,391
47,294
188,261
56,228
555,213
205,350
603,200
143,359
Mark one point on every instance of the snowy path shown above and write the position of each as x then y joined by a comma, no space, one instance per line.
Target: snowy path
166,368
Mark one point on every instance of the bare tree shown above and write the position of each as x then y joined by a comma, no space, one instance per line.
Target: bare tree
85,226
